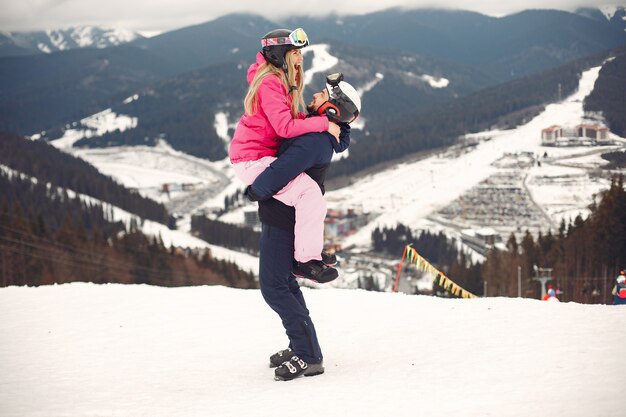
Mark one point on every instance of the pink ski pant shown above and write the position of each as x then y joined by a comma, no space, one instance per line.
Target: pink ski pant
305,196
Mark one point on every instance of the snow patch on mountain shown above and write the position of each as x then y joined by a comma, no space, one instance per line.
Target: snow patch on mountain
322,61
99,37
130,99
57,39
44,48
49,41
435,82
369,85
610,10
222,126
432,81
94,126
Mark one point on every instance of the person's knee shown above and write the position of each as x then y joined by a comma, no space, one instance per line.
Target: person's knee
274,292
294,287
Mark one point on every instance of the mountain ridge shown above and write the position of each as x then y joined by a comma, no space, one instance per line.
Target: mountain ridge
49,41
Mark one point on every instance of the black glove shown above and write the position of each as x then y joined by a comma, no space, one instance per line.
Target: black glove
251,195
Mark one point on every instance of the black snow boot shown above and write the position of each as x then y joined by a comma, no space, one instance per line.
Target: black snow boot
279,357
296,367
315,271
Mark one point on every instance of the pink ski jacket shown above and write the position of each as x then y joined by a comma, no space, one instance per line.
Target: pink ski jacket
261,134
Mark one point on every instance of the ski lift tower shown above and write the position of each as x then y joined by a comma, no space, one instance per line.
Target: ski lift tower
543,275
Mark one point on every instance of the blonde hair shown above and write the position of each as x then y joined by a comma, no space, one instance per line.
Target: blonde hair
294,77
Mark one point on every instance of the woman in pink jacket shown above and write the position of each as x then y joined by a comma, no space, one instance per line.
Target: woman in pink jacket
272,114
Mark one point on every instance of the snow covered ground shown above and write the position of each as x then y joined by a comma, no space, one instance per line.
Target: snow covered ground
113,350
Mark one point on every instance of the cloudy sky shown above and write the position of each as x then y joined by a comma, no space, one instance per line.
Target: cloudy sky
163,15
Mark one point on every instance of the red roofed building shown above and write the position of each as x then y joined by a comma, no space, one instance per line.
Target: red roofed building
582,134
597,132
551,134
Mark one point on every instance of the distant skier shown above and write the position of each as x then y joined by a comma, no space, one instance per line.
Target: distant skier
619,291
547,296
552,295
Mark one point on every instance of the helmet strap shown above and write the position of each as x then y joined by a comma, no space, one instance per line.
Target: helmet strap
325,106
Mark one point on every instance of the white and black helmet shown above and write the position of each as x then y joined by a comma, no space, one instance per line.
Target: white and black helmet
344,103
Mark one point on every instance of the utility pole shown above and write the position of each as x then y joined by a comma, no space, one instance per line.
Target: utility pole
484,288
4,271
519,281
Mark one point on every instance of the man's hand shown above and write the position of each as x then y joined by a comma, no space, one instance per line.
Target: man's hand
252,196
334,129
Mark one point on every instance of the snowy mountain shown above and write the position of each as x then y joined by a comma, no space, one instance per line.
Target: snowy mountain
612,11
64,39
413,83
469,50
614,15
203,351
424,192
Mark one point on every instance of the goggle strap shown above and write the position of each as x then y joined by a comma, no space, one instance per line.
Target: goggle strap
293,39
275,41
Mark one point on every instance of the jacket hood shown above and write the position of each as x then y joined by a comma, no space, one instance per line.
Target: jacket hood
260,60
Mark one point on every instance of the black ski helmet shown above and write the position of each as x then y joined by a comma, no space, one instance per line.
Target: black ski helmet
344,103
279,41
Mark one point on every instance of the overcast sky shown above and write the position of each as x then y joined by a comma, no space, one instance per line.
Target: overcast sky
163,15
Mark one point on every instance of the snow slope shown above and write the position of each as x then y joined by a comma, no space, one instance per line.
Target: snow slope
409,192
87,350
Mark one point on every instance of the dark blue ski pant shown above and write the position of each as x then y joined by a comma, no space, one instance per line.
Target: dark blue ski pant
282,292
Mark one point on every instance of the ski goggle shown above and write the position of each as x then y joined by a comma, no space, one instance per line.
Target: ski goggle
297,38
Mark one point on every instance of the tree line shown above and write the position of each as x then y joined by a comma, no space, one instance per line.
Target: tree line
617,159
441,251
232,236
47,237
43,161
609,95
584,255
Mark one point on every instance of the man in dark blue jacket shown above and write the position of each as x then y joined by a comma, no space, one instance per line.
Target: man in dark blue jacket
310,153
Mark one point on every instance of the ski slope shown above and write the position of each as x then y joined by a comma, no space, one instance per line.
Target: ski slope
112,350
409,192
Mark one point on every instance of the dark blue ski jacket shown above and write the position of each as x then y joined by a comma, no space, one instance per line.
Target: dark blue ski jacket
310,153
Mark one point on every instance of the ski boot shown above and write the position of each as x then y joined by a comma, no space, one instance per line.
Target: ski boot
296,367
279,357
